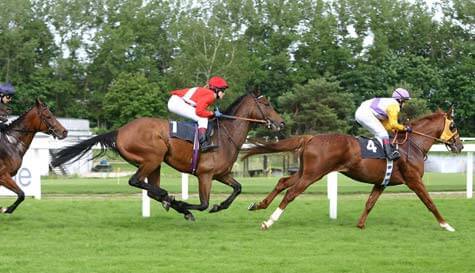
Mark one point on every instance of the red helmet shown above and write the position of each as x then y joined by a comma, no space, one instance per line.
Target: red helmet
217,83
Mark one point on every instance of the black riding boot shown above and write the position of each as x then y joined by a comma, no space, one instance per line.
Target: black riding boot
204,143
391,153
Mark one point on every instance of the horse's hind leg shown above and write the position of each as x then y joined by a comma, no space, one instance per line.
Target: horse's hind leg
284,183
300,186
373,197
163,197
10,184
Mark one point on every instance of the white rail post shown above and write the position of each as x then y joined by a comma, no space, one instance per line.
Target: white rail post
332,192
145,203
469,174
184,186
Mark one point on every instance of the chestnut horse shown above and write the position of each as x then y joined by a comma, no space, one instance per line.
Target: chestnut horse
325,153
15,140
145,142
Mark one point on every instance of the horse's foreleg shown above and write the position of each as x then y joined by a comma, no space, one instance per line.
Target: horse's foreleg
419,188
230,181
204,187
284,183
373,197
10,184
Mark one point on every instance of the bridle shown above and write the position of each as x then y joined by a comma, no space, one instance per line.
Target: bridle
266,120
447,137
51,130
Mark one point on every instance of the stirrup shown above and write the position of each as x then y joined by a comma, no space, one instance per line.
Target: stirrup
394,155
205,148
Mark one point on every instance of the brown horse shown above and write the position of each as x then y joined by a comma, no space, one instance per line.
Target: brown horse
145,142
322,154
15,141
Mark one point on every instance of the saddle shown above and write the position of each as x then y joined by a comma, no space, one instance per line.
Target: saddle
371,148
186,130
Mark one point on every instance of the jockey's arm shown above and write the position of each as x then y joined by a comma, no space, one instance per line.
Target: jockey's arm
392,123
202,105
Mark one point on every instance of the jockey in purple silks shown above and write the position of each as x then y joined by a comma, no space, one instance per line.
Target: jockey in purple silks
6,94
380,115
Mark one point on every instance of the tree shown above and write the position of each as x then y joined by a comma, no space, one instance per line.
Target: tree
319,106
131,96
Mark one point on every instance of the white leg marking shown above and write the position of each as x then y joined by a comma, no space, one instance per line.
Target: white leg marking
447,227
273,218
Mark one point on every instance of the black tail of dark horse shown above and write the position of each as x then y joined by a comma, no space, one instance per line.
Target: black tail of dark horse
107,140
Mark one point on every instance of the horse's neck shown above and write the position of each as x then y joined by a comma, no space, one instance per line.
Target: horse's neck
425,143
21,135
236,130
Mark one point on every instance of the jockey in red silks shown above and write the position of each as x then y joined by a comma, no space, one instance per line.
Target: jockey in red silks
380,115
193,102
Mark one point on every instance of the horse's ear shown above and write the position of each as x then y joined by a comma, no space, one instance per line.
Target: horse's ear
256,92
38,102
450,112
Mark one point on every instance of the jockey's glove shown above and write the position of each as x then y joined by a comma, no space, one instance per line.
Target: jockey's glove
408,129
217,114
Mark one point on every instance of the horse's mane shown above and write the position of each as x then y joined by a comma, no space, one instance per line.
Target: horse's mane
233,107
426,117
18,120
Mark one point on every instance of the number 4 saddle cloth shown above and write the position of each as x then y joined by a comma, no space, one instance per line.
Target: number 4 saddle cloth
371,148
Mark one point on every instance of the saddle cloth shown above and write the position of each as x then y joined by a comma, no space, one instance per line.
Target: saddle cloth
371,148
186,129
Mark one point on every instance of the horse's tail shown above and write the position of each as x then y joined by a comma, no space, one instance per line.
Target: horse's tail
284,145
77,151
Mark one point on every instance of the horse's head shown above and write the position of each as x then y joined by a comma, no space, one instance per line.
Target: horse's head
263,110
47,123
450,134
440,126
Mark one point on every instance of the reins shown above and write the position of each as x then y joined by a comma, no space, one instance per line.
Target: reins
242,118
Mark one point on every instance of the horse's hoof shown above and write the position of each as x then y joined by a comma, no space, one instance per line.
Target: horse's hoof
252,206
189,217
447,227
264,226
166,205
3,210
215,208
360,226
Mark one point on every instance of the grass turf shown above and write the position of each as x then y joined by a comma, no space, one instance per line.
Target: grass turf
71,234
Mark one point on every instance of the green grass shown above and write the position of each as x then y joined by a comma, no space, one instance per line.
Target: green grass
108,235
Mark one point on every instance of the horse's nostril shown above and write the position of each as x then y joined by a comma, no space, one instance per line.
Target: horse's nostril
65,133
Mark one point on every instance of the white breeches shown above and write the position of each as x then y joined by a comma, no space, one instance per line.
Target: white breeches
364,116
178,106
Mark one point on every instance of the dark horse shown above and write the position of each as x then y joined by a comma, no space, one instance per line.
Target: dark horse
322,154
15,141
145,143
